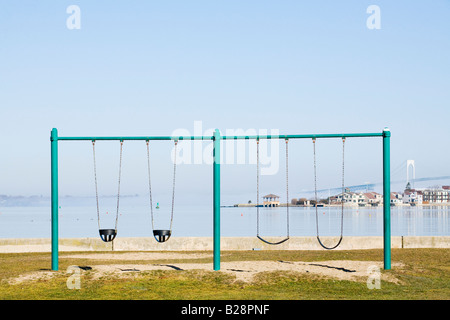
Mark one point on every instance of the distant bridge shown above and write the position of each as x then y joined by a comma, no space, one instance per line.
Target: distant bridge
371,186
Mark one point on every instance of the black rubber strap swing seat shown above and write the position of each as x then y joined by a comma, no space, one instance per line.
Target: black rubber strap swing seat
107,235
316,198
162,235
257,197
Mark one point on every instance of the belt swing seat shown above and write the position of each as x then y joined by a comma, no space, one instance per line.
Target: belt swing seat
257,197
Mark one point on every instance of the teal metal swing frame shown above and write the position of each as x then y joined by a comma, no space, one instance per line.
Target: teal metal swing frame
216,138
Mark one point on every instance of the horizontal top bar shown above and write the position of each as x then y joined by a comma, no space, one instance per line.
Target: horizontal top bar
139,138
249,137
304,136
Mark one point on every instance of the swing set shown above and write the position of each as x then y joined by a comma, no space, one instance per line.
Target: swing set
108,235
163,235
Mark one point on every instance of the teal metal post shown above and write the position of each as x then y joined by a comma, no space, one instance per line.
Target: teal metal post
54,196
387,199
216,198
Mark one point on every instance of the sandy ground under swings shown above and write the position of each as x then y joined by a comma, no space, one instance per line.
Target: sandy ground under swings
242,270
246,270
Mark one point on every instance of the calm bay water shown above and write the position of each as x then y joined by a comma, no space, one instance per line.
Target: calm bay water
78,221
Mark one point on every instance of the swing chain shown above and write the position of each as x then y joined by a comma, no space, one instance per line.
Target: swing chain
257,196
257,186
149,182
95,179
118,188
342,201
315,183
343,185
96,184
173,183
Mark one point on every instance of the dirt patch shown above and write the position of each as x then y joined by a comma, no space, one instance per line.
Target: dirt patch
246,270
32,276
241,270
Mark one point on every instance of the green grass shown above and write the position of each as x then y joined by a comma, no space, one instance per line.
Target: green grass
425,275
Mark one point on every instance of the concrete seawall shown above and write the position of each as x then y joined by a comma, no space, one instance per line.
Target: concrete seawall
227,243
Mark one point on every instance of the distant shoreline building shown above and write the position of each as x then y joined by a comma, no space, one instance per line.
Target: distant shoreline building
438,195
412,197
355,198
396,198
373,198
271,200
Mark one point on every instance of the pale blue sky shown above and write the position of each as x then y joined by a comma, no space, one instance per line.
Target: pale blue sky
152,67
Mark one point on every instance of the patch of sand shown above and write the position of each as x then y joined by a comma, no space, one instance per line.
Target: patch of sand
246,270
242,270
31,276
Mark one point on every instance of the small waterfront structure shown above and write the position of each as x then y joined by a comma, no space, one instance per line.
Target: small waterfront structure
396,198
271,200
373,198
437,195
412,197
350,198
